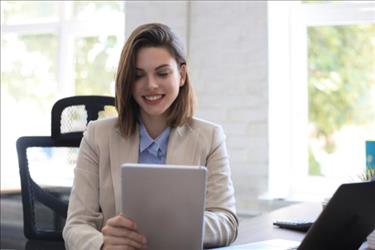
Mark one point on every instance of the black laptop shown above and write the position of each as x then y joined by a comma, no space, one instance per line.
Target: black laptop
347,220
344,224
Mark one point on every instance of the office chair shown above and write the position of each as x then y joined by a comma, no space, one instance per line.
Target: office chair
46,164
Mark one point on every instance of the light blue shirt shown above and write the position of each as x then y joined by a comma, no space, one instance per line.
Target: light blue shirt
150,150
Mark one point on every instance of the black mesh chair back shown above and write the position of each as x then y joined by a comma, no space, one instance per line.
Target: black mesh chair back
46,164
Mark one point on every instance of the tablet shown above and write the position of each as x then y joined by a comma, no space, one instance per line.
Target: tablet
167,203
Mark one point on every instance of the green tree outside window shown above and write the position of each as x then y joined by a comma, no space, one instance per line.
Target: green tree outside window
341,73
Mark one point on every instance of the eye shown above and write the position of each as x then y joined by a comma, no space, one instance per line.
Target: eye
138,75
163,74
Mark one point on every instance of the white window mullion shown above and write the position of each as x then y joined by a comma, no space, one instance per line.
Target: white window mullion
65,55
33,28
299,106
279,100
338,13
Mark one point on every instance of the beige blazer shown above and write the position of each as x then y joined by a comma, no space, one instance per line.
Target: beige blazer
95,195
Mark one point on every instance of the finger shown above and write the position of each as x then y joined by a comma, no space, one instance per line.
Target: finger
121,221
124,233
137,237
124,242
110,247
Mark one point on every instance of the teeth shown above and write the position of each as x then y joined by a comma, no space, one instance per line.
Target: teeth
153,97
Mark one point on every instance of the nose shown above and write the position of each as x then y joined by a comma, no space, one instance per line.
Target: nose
151,82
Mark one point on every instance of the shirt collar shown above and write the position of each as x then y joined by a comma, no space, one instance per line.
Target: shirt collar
146,141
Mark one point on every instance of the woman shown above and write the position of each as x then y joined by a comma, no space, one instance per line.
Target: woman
155,124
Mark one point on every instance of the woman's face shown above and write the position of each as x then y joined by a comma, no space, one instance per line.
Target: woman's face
158,80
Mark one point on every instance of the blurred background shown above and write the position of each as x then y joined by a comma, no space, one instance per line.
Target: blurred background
291,82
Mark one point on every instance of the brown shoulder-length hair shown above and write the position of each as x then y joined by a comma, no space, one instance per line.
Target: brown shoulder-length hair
150,35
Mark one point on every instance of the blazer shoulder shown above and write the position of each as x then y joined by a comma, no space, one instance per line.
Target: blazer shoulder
204,125
207,130
107,123
99,130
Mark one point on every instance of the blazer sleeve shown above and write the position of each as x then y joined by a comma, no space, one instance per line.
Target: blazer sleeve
221,223
81,230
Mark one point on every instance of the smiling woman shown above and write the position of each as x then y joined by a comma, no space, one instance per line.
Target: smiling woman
154,99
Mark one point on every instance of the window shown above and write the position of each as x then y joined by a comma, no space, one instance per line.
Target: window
322,55
50,50
341,90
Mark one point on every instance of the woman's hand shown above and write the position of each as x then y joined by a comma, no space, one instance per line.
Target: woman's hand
121,233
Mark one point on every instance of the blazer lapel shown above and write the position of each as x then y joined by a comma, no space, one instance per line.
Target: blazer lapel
183,146
122,151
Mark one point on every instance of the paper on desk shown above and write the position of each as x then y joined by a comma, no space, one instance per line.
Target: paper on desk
274,244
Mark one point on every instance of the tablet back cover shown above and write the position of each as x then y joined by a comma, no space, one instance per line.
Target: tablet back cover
167,203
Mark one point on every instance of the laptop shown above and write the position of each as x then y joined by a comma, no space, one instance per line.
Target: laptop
344,223
167,203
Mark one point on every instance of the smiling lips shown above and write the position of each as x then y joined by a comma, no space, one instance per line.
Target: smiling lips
152,99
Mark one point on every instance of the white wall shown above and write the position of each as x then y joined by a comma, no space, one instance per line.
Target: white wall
227,57
171,13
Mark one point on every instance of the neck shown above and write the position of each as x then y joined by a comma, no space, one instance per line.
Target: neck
154,125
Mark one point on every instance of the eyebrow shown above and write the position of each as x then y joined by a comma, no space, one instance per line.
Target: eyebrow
157,68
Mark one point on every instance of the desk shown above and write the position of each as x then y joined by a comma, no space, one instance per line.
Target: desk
260,227
250,230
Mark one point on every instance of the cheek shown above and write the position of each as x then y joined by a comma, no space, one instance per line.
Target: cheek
135,89
174,87
175,82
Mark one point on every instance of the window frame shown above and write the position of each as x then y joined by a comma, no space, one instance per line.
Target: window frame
66,31
288,92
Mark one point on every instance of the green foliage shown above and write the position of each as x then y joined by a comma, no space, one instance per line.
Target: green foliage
29,71
367,175
314,167
93,75
341,70
80,7
25,11
341,73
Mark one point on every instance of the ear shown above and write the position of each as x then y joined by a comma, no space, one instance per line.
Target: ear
183,74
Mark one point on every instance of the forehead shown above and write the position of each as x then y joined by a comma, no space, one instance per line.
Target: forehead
152,57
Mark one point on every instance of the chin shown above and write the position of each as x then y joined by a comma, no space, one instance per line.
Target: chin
155,112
